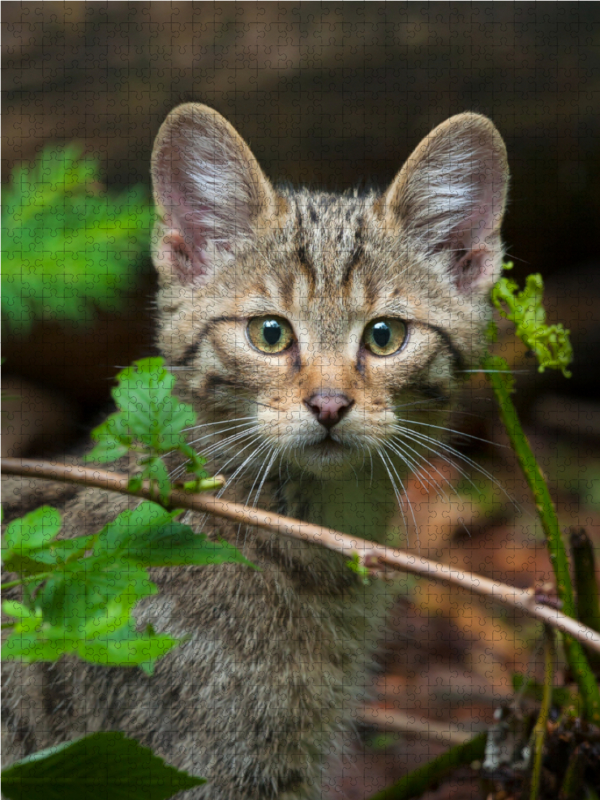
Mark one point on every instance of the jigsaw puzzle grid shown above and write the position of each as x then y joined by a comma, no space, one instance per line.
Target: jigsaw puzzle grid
333,96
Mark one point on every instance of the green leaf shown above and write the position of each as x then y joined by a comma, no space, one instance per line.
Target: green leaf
149,410
72,599
149,536
24,565
150,419
95,767
88,615
127,647
13,608
33,531
525,308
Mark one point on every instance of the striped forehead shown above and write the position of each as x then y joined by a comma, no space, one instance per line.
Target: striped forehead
327,288
329,231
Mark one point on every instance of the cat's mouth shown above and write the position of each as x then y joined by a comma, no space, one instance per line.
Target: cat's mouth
329,443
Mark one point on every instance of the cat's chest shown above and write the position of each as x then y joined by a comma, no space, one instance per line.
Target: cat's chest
361,505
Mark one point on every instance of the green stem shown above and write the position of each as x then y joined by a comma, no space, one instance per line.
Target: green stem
539,732
499,376
419,780
572,785
582,551
586,585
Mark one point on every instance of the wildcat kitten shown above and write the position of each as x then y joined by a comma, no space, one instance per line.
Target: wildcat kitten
320,339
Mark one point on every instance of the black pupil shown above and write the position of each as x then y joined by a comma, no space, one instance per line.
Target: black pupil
271,331
381,334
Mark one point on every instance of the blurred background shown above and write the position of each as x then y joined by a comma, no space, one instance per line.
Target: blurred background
331,95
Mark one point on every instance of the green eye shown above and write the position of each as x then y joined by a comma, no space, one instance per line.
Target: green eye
270,334
384,336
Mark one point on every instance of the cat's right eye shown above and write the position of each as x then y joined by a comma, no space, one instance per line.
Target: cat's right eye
385,336
270,334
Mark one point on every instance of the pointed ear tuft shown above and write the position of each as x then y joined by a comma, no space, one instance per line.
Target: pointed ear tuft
450,196
209,190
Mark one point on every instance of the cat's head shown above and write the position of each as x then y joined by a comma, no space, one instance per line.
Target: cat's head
326,326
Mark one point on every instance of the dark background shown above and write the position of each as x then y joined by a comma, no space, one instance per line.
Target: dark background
328,94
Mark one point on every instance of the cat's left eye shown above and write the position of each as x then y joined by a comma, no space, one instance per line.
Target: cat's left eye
385,336
270,334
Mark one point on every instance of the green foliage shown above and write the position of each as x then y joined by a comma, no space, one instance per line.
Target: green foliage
95,767
550,343
67,244
150,422
81,593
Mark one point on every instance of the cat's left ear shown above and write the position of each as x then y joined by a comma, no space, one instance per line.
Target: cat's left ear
210,192
450,196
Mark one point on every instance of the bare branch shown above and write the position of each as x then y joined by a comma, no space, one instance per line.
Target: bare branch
412,723
370,553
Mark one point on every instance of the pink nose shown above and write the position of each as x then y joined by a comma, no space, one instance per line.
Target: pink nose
329,407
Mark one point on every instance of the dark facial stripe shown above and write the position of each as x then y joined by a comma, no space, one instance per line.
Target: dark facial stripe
305,264
458,361
214,382
434,392
355,259
192,349
356,256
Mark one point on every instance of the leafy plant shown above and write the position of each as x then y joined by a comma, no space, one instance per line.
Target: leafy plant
525,308
150,423
96,766
68,245
79,594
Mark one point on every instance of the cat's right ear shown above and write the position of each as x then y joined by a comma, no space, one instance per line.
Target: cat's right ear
211,195
450,198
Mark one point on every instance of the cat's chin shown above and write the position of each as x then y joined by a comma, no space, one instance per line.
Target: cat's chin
328,459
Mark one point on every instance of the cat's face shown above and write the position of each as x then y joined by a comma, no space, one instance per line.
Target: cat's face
319,329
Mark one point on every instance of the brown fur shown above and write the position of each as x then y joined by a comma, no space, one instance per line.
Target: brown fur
277,659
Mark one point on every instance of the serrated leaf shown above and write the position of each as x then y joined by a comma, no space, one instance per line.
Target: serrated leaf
525,308
33,531
149,536
72,599
96,767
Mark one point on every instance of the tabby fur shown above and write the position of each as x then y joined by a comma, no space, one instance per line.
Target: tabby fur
266,687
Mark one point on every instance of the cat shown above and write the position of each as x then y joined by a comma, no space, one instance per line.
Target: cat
321,339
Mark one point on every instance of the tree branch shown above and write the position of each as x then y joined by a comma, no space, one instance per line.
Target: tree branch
372,554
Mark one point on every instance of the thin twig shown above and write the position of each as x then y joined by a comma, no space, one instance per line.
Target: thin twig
391,720
519,599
